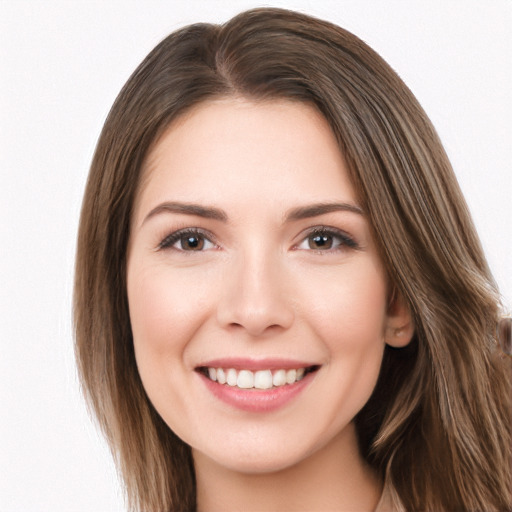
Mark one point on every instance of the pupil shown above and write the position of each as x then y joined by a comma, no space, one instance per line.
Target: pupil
322,241
194,243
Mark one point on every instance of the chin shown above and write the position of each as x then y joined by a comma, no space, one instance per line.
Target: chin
270,452
255,462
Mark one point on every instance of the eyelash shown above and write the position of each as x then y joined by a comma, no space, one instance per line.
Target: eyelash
345,241
170,240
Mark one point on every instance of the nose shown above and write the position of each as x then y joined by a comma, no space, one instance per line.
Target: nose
256,297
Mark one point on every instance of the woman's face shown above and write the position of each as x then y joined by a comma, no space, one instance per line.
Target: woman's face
251,260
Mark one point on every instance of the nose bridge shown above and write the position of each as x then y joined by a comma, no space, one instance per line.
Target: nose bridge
255,295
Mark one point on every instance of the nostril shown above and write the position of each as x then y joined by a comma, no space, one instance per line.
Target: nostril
258,321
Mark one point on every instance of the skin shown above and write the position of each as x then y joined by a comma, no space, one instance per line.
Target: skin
260,288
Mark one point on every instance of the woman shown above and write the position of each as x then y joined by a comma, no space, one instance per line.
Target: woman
280,300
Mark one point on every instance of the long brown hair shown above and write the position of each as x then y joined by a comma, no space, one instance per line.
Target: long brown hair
437,428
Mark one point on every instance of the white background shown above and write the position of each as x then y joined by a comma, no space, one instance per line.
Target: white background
61,65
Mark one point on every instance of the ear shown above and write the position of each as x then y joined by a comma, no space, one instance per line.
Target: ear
399,324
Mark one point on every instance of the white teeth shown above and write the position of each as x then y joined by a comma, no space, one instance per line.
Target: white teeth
231,377
262,379
221,376
279,378
245,379
290,376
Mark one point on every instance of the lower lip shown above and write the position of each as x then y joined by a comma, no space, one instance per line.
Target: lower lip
257,400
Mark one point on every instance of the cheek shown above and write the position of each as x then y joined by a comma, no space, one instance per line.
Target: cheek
350,318
350,310
166,309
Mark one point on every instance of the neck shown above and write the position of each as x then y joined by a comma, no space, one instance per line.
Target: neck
334,478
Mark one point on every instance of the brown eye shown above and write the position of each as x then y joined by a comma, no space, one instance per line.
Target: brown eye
320,241
327,239
188,240
191,242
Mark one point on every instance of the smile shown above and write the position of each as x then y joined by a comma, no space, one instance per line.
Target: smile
257,389
256,386
261,379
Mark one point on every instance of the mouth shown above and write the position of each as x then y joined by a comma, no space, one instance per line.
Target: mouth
264,379
256,386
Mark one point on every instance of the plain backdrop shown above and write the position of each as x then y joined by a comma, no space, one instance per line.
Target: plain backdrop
62,63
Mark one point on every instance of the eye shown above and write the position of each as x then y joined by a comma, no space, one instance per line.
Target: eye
189,240
326,239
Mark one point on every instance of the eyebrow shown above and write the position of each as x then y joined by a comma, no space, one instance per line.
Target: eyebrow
315,210
206,212
210,212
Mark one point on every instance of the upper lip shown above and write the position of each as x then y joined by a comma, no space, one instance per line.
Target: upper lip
241,363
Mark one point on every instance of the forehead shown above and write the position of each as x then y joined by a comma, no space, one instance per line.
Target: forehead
235,148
